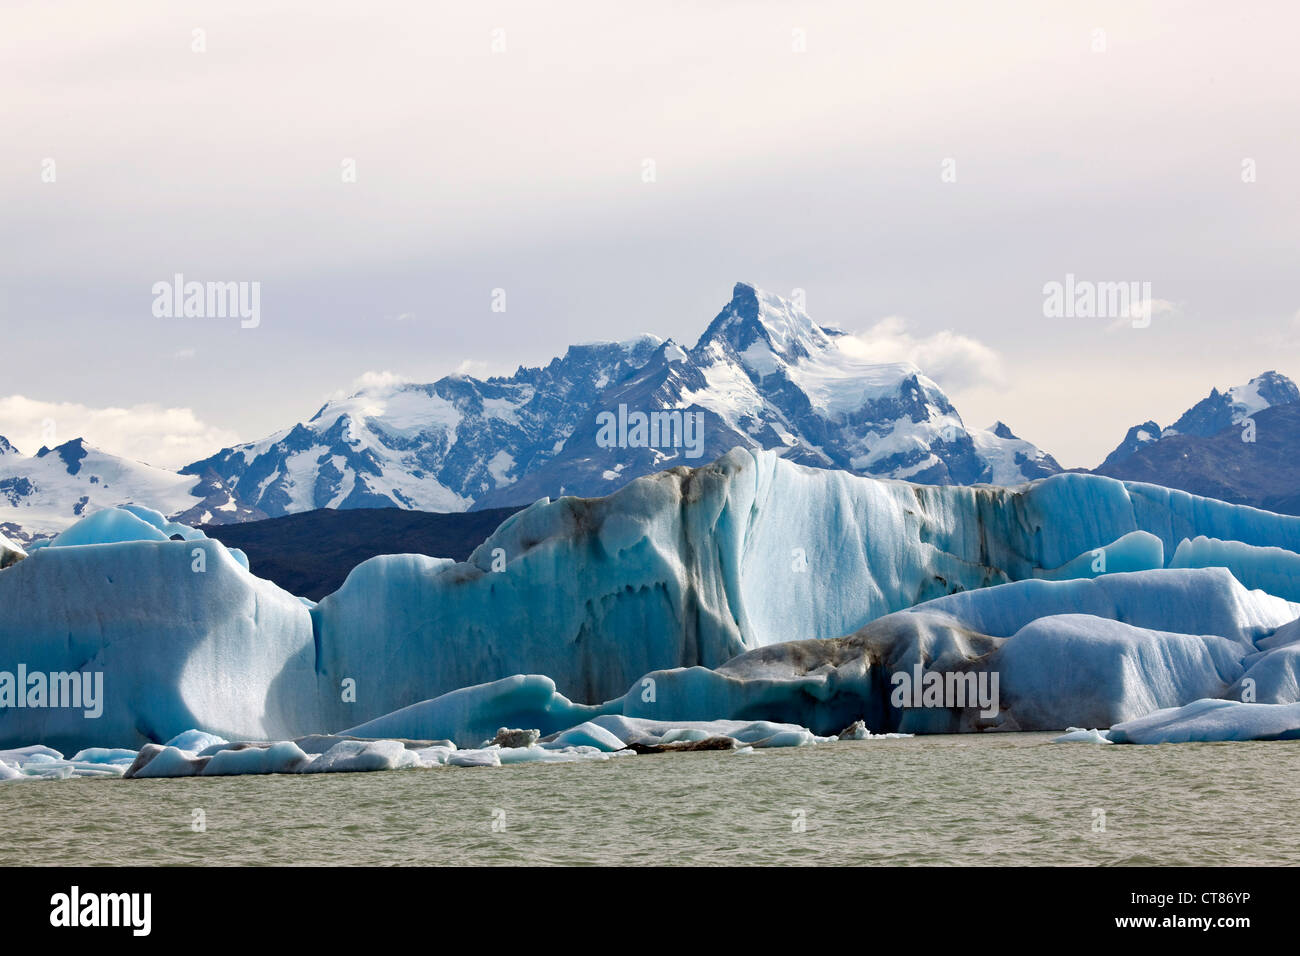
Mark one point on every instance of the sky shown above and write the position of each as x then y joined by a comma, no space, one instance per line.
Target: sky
920,171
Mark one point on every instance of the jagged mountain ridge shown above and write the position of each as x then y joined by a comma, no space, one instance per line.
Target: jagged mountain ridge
430,447
1211,415
1259,471
762,374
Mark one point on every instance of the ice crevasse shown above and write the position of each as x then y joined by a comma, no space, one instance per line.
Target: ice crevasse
749,588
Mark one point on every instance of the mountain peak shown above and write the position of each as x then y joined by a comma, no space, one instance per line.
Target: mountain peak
1263,391
765,330
1211,415
1002,430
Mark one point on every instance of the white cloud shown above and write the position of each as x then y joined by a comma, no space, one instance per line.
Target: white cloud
1137,314
479,369
151,433
372,378
953,360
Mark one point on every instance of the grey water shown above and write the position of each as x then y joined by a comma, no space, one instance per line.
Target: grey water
959,800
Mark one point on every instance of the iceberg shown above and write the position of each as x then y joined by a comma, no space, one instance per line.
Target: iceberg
181,641
692,567
1077,735
747,589
467,715
1211,720
283,757
1271,569
351,756
588,734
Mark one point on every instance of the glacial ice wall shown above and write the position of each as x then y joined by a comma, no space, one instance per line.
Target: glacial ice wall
692,567
175,647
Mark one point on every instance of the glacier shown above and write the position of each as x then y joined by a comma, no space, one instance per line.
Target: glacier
751,589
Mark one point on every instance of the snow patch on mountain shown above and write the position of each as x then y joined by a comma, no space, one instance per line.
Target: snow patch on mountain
42,494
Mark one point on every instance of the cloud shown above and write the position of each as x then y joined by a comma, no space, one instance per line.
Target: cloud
370,379
151,433
479,369
1137,314
953,360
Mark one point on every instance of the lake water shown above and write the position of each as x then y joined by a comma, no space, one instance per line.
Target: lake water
971,799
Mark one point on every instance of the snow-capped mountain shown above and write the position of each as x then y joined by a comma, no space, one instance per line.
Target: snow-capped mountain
434,447
764,375
1211,450
1209,416
42,494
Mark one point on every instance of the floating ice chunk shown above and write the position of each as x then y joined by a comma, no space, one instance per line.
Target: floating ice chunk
472,714
684,735
538,754
20,755
858,731
157,761
756,732
588,734
855,731
87,768
1077,735
320,743
105,755
56,770
506,737
487,757
195,741
349,756
1211,720
282,757
790,738
435,756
